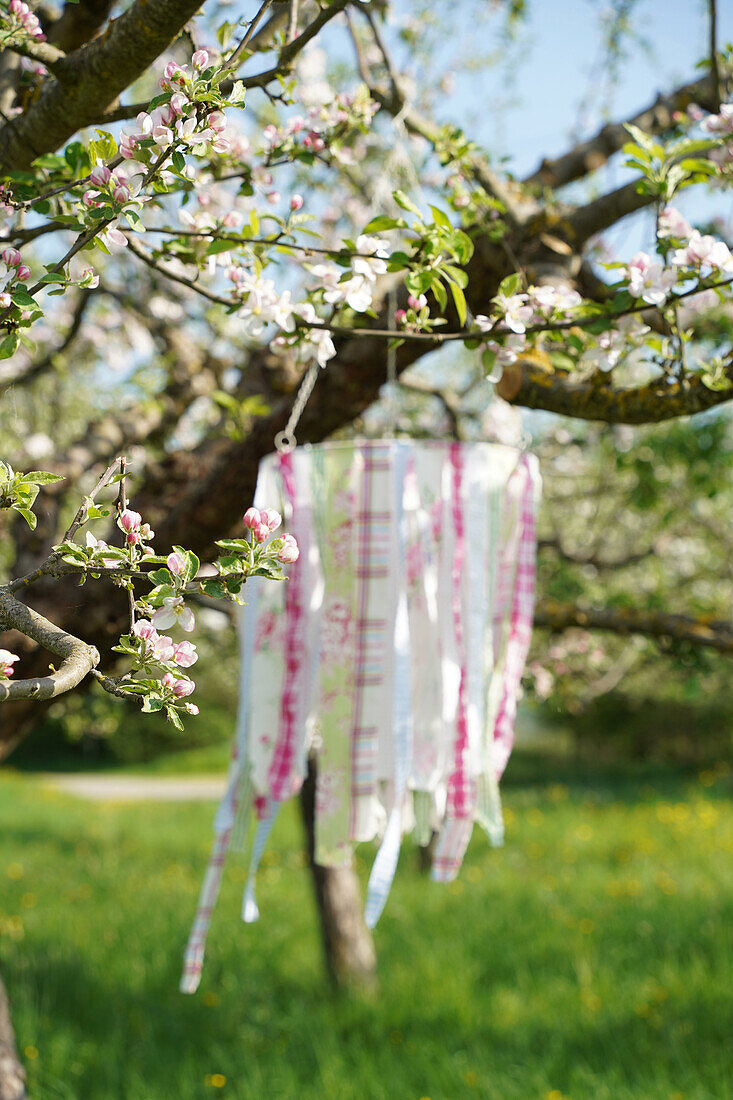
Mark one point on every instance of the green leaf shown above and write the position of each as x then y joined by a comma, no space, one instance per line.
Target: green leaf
234,544
174,717
9,346
460,301
152,703
440,217
42,477
406,203
382,222
28,516
510,285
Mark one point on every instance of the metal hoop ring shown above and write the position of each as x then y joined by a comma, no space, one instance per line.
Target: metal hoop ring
285,442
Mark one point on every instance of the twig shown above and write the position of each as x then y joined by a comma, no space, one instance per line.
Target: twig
292,21
714,63
82,510
121,507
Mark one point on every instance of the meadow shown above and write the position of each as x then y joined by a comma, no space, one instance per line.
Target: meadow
588,958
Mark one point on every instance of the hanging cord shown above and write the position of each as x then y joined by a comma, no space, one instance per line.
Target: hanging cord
285,440
391,401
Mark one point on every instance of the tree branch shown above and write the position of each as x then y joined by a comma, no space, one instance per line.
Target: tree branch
534,385
698,630
78,658
91,78
605,211
589,155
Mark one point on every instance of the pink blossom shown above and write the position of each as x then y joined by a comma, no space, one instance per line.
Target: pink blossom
400,316
200,59
185,654
296,202
7,660
261,532
703,250
289,551
144,629
180,688
673,224
163,648
417,303
11,257
273,197
23,272
172,611
649,281
176,562
191,708
251,518
129,520
100,175
272,518
216,121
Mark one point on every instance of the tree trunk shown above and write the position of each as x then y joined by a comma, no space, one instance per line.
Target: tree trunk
348,946
12,1074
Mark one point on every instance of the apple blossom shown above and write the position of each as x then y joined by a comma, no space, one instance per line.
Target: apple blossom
272,518
251,518
176,562
516,310
174,611
289,551
672,224
649,280
144,629
296,202
185,655
200,59
7,660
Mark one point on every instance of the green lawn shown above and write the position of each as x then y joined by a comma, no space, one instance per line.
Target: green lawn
589,958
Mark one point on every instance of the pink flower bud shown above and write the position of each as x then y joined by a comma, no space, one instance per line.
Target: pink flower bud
400,316
176,562
11,257
182,688
289,551
121,193
200,59
100,175
129,520
261,532
216,121
143,628
191,708
272,518
185,655
273,197
15,7
23,273
296,202
251,518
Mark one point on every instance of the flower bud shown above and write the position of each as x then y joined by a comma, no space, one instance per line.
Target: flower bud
11,257
23,272
261,532
100,175
251,518
296,202
129,520
200,59
176,563
272,518
289,551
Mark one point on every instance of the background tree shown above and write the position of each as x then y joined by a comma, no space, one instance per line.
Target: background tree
225,195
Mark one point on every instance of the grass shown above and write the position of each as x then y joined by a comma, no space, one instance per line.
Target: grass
589,958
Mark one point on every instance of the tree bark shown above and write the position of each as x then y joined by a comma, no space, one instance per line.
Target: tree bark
348,946
12,1074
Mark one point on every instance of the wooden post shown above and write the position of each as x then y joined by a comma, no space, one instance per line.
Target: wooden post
348,946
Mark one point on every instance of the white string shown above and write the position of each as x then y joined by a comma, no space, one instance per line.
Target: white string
285,440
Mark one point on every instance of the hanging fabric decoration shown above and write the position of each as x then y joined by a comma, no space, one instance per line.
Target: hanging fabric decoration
394,653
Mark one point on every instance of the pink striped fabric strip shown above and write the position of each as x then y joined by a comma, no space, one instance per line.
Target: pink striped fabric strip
371,547
522,612
193,959
460,785
282,782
